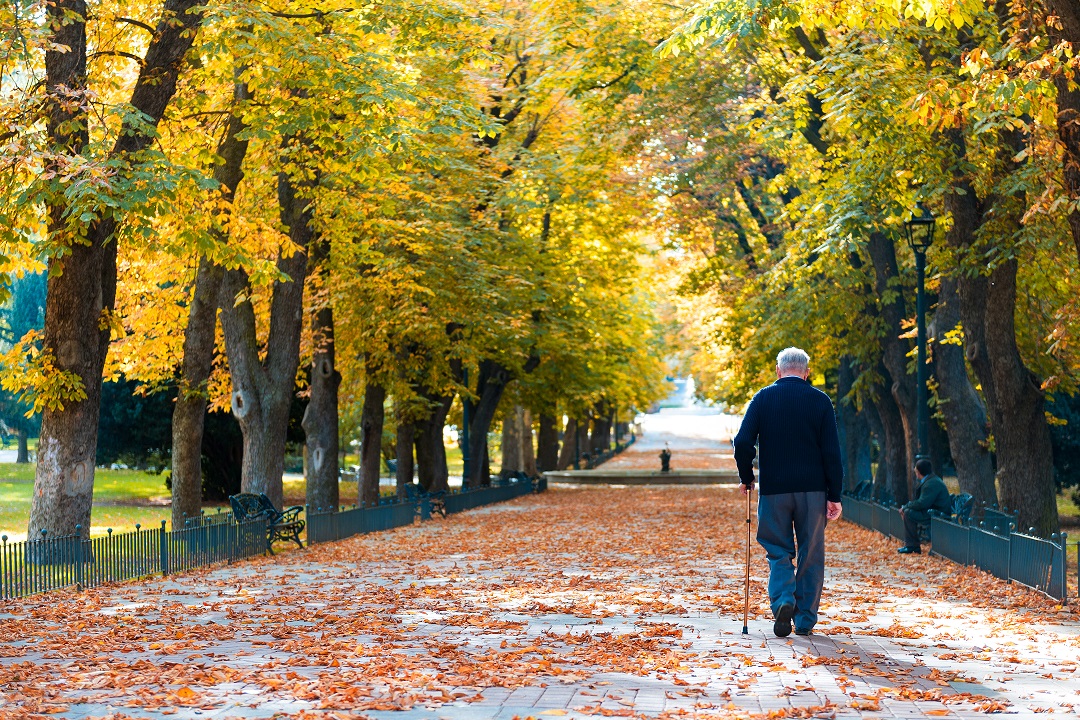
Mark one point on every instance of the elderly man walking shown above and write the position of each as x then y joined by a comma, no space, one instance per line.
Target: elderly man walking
794,428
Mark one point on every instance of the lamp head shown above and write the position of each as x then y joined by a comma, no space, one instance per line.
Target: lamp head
920,228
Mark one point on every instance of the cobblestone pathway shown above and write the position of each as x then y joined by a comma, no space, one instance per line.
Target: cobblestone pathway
579,602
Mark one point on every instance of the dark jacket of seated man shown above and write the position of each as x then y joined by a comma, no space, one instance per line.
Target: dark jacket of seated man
933,495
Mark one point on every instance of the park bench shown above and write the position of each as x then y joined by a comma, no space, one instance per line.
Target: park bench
280,525
962,506
960,513
415,493
998,521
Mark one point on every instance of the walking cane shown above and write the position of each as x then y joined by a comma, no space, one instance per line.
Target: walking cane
746,587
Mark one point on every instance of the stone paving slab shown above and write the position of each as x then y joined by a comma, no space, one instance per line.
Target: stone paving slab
547,606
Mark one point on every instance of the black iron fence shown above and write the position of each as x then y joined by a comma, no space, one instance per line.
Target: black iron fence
41,564
991,545
47,563
327,526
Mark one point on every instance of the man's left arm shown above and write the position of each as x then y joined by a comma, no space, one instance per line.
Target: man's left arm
831,459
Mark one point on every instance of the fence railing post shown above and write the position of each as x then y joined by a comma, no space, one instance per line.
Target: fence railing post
1064,568
164,550
81,552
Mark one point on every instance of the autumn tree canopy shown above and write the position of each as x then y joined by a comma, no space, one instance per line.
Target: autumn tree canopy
409,214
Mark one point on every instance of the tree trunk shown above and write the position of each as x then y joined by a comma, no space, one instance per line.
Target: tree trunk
528,452
404,440
512,441
894,454
371,431
490,386
191,398
601,435
1021,433
22,456
431,467
960,404
82,281
894,349
877,432
1015,400
566,455
581,448
1068,108
199,339
263,387
853,428
485,477
320,421
547,440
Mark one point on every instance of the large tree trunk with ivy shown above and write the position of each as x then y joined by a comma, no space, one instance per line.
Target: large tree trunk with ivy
959,403
264,387
199,338
547,444
372,416
82,280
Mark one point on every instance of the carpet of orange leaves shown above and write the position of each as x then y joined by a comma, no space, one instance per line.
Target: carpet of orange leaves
566,589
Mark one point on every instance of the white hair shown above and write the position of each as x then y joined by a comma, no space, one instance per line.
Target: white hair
792,359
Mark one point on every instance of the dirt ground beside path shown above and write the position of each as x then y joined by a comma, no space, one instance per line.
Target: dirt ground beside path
577,602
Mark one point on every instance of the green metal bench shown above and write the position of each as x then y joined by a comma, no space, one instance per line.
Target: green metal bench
280,525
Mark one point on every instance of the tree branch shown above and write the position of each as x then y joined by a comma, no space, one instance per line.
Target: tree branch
136,23
116,53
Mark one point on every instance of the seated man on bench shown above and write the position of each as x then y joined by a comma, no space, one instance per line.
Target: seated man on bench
933,495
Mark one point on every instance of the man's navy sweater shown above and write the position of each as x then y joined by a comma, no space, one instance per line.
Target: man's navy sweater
793,424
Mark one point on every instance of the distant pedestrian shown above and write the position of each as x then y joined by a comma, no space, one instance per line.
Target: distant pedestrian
665,459
794,428
933,495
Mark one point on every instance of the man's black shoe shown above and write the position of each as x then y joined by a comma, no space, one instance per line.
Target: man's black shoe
782,626
802,631
910,551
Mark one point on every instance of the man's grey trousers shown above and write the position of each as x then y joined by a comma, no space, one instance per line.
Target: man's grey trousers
784,520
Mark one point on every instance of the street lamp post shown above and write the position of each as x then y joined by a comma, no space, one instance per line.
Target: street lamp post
920,235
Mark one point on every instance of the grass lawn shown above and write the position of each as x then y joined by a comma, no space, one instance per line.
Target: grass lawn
122,498
13,444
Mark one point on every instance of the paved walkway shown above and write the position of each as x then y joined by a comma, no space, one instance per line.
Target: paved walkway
699,439
578,602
